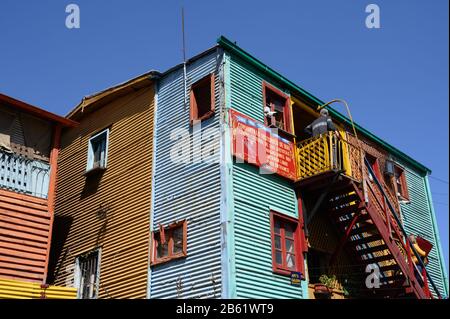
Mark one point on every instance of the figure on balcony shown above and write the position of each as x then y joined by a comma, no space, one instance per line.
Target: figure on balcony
321,125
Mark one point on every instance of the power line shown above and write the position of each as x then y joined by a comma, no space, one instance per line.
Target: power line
439,179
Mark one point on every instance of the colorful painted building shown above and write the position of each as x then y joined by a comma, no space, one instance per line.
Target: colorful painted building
226,228
204,181
29,147
102,221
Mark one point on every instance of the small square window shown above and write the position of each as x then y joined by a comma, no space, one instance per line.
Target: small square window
87,274
202,99
170,243
98,151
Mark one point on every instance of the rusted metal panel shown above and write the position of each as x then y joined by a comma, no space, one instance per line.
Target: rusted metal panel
111,210
24,236
188,191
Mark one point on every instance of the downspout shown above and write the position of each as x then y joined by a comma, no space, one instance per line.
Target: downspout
152,200
52,191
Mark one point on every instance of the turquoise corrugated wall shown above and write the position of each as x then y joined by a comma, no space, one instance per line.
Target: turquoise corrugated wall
418,219
246,89
254,196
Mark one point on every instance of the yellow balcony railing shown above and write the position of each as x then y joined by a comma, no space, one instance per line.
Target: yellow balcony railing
325,153
16,289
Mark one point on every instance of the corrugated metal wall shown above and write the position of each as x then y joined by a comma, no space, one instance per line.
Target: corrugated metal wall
113,210
187,191
24,236
418,219
15,289
254,196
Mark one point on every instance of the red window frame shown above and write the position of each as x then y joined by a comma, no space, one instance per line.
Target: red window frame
282,268
375,165
193,107
166,234
400,173
287,111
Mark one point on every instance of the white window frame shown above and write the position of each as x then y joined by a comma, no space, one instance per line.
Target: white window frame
77,273
90,158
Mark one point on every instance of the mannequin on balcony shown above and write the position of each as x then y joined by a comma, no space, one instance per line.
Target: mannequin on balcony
321,125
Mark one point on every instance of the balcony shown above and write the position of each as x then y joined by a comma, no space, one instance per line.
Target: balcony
326,155
22,175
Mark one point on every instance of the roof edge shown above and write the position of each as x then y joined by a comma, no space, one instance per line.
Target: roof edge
227,44
36,111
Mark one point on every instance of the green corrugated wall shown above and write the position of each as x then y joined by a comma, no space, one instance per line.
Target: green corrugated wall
254,196
418,219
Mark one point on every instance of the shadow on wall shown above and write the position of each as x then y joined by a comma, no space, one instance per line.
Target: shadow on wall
61,228
91,184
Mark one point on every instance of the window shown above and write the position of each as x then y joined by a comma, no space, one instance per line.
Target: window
373,161
400,183
170,243
98,151
87,275
202,99
286,248
279,103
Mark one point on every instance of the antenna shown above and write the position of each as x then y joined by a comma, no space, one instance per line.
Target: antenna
184,59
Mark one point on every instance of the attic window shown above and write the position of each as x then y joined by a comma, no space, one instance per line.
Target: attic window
279,103
202,99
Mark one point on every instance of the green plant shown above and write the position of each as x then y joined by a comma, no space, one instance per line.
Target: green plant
329,281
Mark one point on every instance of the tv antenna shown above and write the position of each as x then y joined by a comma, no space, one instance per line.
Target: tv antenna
184,58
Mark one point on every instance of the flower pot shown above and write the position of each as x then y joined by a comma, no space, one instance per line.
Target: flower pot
321,291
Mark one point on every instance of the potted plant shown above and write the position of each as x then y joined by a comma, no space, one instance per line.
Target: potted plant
324,289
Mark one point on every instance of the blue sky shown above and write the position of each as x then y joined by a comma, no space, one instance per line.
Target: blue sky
395,78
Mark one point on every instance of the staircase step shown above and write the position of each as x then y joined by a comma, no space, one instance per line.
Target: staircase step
343,200
371,250
389,268
365,240
397,279
362,229
340,211
379,259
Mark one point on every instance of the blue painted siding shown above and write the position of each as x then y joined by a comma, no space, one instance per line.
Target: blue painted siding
189,191
418,219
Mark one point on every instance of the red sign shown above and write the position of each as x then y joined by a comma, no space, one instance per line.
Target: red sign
257,144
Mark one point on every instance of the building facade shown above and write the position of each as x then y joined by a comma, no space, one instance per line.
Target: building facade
29,147
101,239
205,181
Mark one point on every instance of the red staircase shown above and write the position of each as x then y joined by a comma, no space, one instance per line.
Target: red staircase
372,237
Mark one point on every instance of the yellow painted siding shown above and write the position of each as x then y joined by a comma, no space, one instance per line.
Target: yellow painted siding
122,192
16,289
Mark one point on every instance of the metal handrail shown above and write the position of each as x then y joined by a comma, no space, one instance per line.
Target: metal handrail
393,212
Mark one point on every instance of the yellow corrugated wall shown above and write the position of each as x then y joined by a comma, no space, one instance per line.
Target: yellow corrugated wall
122,193
15,289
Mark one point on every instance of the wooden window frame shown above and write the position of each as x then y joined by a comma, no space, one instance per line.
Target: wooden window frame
168,230
287,112
193,107
298,247
405,194
90,157
376,166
